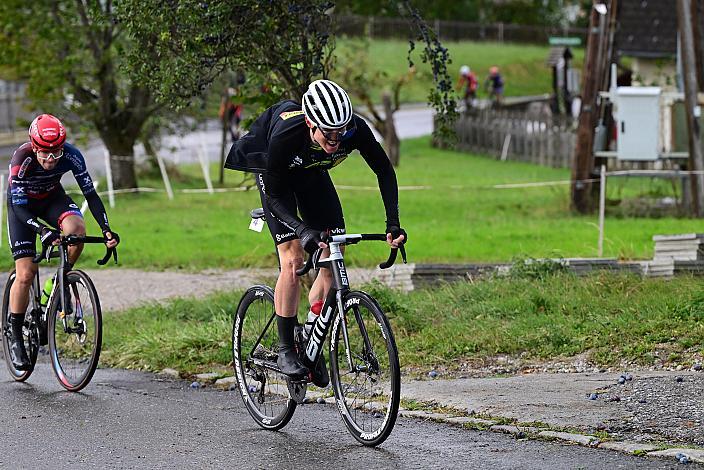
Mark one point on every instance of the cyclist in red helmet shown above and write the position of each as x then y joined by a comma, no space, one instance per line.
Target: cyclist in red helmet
34,193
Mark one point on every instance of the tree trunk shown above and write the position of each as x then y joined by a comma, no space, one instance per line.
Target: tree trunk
391,141
121,150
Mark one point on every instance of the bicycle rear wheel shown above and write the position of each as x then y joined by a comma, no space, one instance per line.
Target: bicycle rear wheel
75,336
255,342
30,330
364,369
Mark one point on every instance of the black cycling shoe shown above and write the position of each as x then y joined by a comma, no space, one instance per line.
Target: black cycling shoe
290,364
320,373
18,355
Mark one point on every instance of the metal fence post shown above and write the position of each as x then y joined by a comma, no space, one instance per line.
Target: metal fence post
108,174
602,203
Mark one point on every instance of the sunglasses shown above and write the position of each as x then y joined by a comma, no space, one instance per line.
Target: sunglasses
334,136
50,154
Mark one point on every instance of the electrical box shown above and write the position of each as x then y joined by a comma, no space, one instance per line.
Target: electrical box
638,121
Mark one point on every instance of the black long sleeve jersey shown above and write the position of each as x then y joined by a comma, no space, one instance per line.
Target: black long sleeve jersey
278,146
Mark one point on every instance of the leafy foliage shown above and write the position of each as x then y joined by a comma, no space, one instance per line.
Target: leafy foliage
441,97
183,48
72,55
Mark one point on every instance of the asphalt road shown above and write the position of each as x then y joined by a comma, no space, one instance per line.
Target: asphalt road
127,419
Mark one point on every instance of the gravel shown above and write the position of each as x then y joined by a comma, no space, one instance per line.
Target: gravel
660,408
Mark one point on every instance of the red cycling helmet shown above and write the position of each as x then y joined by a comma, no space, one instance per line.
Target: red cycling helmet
47,133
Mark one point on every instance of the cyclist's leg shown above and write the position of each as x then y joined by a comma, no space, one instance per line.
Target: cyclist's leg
287,290
22,244
22,240
322,210
63,213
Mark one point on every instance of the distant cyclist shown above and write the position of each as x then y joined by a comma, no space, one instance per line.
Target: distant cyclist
34,193
468,84
494,85
291,147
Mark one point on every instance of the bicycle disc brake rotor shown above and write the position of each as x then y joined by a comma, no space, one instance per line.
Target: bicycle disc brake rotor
81,330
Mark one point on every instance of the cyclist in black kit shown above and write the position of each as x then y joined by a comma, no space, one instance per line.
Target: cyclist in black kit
291,147
35,192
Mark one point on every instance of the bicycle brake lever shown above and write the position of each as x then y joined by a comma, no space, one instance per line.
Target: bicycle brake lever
403,253
107,256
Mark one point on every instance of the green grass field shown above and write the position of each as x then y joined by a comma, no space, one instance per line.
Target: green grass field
613,319
522,66
455,216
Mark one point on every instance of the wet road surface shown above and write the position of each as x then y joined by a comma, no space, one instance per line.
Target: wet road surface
127,419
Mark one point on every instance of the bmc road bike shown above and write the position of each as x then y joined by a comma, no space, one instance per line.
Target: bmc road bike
364,367
70,322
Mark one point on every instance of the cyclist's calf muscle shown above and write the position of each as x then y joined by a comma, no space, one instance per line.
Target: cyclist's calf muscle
287,289
25,270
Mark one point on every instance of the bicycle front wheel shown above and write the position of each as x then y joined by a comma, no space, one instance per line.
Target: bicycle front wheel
30,330
75,336
255,343
365,370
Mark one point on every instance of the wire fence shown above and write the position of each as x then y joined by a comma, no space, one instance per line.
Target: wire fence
375,27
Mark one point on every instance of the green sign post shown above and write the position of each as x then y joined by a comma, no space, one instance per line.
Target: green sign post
564,41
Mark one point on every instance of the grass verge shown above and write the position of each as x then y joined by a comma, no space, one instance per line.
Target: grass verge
454,214
612,318
522,65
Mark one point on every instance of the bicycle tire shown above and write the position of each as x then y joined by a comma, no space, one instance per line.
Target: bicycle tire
255,337
367,393
74,355
31,330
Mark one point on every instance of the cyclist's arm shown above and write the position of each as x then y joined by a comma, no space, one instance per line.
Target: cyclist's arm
18,190
85,182
277,188
376,158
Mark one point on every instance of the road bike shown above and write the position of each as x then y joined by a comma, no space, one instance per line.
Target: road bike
364,366
70,322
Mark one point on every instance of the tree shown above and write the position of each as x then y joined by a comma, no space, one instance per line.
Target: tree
355,75
71,53
283,45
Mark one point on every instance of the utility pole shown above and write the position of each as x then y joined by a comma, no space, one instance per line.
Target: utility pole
692,108
583,164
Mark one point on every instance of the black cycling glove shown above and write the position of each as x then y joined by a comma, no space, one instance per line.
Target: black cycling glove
309,238
396,232
114,235
48,236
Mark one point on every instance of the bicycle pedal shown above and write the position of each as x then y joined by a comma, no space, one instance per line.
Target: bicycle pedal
297,390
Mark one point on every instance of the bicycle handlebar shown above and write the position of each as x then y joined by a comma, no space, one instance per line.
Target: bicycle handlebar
69,240
354,239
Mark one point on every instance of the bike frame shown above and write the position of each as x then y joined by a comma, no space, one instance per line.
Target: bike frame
63,270
333,304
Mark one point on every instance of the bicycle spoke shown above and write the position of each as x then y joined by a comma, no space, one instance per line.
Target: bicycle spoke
365,365
76,334
264,391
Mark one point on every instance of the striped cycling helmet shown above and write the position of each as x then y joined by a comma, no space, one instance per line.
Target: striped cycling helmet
327,105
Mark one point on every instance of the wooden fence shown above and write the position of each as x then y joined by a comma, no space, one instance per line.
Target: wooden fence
518,136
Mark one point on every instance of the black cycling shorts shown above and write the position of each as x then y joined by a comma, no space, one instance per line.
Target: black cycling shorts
51,210
314,198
